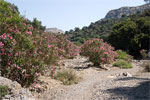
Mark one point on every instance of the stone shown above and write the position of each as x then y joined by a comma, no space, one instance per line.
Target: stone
111,76
16,92
7,96
126,74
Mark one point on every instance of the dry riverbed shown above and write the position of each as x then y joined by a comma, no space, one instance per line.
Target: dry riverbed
96,84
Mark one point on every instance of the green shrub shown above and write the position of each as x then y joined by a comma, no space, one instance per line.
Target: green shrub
68,77
3,91
122,64
131,35
123,55
98,51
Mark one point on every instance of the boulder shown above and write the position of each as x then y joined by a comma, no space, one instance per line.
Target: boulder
16,92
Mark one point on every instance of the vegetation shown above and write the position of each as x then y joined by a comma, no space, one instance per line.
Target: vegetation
122,64
132,35
144,53
3,91
129,33
146,65
98,51
94,30
25,49
68,77
123,55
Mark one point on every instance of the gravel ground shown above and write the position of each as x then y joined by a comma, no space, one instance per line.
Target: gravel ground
130,88
102,85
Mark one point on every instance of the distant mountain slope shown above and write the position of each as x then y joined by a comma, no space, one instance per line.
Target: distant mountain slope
101,28
54,30
118,13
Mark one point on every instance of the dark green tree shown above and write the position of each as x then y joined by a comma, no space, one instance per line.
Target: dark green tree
131,35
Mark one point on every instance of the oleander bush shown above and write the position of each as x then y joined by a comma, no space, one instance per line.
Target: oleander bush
98,51
25,49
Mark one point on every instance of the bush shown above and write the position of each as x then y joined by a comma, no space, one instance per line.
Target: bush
68,77
123,55
146,65
98,51
3,91
143,53
122,64
25,49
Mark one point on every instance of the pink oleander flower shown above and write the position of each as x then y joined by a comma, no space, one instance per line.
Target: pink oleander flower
27,75
1,44
37,74
3,36
30,33
14,65
49,46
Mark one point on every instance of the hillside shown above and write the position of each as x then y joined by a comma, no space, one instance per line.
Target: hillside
101,28
126,11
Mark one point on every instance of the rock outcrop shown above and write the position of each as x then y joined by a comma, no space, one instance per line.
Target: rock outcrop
54,30
118,13
16,92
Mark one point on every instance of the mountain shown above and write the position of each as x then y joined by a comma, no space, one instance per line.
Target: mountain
126,11
54,30
102,28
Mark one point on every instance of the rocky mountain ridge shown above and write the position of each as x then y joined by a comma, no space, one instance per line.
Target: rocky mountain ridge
126,11
54,30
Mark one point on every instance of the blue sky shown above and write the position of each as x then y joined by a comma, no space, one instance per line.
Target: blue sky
68,14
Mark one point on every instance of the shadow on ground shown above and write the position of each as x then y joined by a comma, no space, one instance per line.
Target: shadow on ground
140,92
131,78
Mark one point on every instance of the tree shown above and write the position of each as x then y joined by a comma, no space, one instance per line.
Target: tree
131,35
37,24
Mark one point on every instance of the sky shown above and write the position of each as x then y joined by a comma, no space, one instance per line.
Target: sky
68,14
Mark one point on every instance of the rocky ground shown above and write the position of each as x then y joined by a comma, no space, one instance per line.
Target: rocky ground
16,92
98,84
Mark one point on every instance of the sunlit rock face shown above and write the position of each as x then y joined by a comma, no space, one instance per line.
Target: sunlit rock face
54,30
126,11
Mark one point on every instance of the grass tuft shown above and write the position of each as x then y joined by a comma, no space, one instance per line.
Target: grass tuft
122,64
68,77
146,65
3,91
123,55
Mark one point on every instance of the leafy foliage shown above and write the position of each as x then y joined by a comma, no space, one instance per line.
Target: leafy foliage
25,49
132,35
122,64
98,51
94,30
123,55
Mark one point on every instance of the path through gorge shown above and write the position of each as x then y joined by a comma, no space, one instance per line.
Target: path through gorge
98,84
